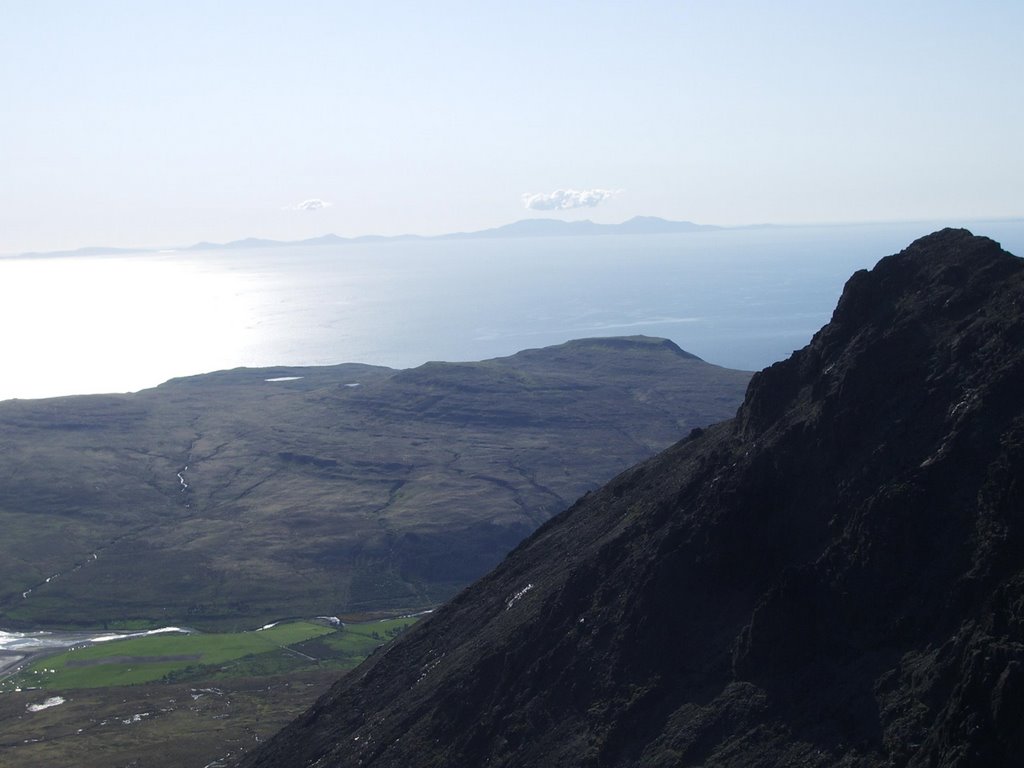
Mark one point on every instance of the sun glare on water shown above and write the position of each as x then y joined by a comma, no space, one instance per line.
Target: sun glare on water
113,324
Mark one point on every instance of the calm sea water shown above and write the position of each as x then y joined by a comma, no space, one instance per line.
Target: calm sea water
739,298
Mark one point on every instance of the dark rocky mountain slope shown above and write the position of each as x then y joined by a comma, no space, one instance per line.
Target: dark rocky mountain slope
833,578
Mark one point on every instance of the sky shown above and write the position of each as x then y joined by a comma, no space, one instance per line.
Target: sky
158,124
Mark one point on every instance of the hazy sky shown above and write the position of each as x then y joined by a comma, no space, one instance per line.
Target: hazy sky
164,123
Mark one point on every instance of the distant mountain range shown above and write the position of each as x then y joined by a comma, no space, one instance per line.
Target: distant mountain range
638,225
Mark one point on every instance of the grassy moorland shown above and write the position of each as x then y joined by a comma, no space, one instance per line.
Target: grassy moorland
231,499
228,500
131,702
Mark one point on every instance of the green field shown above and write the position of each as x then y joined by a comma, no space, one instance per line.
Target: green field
129,702
286,647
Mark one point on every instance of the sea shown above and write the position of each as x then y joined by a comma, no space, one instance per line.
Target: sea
741,298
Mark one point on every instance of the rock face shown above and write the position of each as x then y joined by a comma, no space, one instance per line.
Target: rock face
833,578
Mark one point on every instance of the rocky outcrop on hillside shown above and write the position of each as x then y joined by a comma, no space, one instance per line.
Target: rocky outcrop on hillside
833,578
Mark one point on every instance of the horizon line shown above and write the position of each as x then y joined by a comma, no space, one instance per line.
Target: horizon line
496,232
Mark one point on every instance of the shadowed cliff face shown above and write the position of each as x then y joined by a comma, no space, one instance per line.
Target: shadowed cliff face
834,577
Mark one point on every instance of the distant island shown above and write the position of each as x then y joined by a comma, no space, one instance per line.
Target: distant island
638,225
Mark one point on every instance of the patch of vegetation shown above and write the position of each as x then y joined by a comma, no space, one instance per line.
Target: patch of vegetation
174,658
128,702
157,725
341,649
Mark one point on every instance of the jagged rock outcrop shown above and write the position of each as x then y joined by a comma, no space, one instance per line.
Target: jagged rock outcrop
833,578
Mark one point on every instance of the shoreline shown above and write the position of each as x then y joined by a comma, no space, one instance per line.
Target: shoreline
11,662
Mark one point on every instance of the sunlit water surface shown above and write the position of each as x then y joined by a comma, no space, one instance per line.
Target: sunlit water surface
739,298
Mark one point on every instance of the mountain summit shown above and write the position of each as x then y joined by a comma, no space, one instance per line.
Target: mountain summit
833,578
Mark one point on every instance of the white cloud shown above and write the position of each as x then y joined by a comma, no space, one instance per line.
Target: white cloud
562,199
309,205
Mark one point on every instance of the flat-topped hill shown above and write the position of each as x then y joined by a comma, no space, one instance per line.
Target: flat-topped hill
247,495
